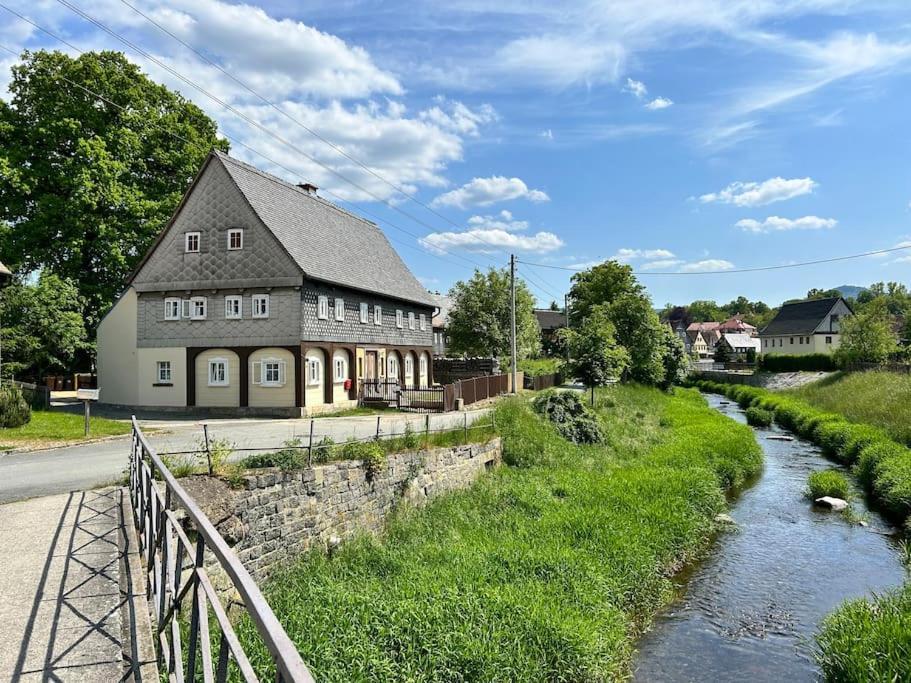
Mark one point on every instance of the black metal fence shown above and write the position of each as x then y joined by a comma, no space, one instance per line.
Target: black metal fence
178,586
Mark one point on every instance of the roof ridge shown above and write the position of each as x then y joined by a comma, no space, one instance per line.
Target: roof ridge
291,186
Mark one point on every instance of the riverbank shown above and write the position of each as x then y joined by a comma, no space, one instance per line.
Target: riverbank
866,639
546,569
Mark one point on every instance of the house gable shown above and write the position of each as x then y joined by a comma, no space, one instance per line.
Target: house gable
827,325
212,207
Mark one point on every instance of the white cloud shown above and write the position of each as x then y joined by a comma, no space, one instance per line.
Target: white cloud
757,194
706,266
625,255
637,88
547,134
501,221
557,61
487,191
777,223
659,103
491,241
458,118
661,264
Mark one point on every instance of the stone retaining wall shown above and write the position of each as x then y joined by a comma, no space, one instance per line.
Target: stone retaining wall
279,515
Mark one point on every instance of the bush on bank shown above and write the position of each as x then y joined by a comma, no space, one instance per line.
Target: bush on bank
828,483
810,362
544,570
759,417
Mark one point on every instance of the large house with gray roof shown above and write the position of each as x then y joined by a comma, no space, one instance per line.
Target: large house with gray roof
802,327
259,294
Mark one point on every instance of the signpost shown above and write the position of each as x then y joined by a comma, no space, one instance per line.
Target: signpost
87,396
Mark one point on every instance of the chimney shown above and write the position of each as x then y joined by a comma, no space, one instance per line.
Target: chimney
309,188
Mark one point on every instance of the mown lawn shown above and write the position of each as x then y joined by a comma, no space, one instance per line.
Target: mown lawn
881,399
55,427
544,570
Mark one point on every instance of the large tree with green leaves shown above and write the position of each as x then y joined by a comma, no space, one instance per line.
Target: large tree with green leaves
86,180
479,317
599,285
43,330
595,354
867,336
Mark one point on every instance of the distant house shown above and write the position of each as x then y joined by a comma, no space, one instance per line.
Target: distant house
439,322
811,326
739,344
735,324
703,337
549,321
259,294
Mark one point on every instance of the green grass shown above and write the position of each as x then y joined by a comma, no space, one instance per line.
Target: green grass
758,417
868,640
546,569
828,483
54,427
353,412
881,399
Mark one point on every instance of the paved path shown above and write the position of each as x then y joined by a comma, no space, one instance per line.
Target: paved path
41,473
71,594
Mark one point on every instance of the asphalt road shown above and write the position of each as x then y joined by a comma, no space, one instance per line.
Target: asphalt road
60,470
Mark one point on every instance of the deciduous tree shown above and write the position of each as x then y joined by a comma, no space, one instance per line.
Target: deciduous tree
867,336
595,354
86,181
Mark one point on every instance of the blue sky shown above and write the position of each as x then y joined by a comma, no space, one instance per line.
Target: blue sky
682,136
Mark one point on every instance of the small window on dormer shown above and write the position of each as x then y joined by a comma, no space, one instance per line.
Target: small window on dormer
191,242
235,239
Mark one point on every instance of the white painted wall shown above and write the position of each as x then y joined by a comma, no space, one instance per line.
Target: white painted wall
151,395
272,397
117,361
217,396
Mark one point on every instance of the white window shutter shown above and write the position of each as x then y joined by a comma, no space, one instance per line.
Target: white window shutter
281,372
257,372
185,308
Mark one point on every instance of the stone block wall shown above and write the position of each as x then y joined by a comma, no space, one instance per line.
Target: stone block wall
279,515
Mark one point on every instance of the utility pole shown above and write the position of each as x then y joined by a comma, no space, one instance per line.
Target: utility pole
566,317
512,316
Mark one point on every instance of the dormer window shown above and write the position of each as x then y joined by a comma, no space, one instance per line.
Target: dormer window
191,242
235,239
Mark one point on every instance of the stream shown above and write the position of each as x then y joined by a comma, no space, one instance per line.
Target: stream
751,609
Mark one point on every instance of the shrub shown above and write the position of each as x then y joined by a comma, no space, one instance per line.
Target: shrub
870,456
573,419
324,450
291,457
868,639
892,482
14,409
527,439
787,363
180,465
759,417
369,452
828,483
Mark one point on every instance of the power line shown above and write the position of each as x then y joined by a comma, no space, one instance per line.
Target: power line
233,140
249,120
537,285
527,273
740,270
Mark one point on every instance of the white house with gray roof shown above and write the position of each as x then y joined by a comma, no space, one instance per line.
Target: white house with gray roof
259,294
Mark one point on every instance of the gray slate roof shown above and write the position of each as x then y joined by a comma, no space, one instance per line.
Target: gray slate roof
550,320
800,317
327,242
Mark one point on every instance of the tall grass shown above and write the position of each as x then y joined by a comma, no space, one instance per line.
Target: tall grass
881,399
544,570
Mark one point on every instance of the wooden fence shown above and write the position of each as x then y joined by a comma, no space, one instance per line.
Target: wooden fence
541,382
435,399
37,395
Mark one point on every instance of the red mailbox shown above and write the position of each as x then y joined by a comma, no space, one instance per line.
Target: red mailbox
348,384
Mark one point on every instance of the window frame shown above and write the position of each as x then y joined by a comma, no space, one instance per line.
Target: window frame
226,381
239,300
322,307
339,306
422,365
161,380
423,322
264,312
339,364
314,380
392,366
167,304
410,320
377,314
187,236
231,233
364,313
205,307
399,318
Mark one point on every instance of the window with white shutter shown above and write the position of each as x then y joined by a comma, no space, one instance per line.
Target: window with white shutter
339,309
313,371
260,305
185,308
198,305
399,319
410,320
364,313
322,307
423,323
233,307
172,309
377,315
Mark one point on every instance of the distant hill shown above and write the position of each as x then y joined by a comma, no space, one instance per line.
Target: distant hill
849,291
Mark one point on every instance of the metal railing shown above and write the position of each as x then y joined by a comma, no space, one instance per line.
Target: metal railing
177,583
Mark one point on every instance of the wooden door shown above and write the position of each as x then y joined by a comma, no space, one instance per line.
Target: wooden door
371,366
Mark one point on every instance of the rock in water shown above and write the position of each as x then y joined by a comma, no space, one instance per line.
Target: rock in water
836,504
725,518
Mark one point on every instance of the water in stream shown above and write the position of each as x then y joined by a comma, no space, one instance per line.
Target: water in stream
751,609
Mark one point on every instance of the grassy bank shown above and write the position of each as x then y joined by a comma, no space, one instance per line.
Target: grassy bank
870,639
53,427
881,399
544,570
